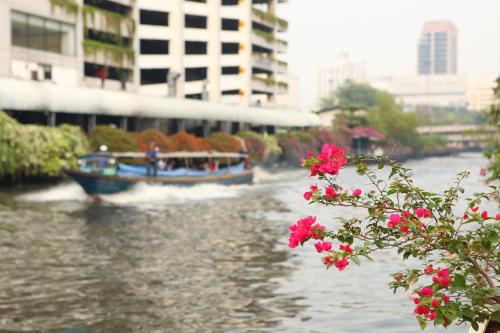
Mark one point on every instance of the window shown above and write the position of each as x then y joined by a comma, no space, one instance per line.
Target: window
230,70
154,46
113,73
194,96
152,17
230,48
230,24
195,47
195,21
39,33
195,74
154,76
230,2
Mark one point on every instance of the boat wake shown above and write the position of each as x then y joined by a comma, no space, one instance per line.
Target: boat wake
62,192
147,193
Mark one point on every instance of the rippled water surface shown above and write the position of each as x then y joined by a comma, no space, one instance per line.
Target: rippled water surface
203,259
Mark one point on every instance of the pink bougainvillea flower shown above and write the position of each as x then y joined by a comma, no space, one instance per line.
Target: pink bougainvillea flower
327,261
427,213
314,170
330,193
301,231
446,298
310,154
443,272
308,194
429,270
415,298
484,215
357,192
317,231
341,264
323,246
432,315
435,303
404,229
474,209
346,248
422,310
394,220
466,217
426,291
406,213
445,281
497,217
420,212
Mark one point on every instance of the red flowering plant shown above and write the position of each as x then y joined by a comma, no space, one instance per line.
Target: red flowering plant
457,253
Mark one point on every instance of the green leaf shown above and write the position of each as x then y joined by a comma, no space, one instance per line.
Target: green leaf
496,315
356,260
459,280
422,323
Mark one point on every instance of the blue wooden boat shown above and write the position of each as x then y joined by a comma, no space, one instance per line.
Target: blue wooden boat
101,173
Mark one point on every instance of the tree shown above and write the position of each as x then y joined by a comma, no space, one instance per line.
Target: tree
355,96
493,151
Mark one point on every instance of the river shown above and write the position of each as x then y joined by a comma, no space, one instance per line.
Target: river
202,259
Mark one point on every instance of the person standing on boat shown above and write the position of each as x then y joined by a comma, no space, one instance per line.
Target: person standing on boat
152,157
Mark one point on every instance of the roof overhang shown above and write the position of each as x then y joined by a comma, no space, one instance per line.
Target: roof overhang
25,95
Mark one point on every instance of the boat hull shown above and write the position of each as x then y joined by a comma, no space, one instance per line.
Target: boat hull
95,184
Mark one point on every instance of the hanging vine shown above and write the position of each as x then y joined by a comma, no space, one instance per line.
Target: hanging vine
69,6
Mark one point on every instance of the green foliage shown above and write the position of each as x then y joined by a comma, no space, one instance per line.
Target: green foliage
116,53
223,142
32,150
493,150
69,6
354,96
268,17
399,127
116,139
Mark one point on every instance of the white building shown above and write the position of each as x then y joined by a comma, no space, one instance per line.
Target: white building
329,79
450,91
222,51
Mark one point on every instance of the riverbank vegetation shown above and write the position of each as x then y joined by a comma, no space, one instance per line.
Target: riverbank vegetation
33,151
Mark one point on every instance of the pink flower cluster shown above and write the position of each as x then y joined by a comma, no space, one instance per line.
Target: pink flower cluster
429,298
304,230
404,221
329,161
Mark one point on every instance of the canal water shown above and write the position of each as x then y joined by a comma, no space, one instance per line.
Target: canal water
202,259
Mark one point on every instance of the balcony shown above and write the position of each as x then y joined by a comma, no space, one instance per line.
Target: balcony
268,64
270,20
104,53
268,41
268,86
107,21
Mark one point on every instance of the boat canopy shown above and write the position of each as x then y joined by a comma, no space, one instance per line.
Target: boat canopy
180,154
26,95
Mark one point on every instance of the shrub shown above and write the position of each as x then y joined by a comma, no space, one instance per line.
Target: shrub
116,139
188,142
224,142
293,149
164,142
256,148
32,150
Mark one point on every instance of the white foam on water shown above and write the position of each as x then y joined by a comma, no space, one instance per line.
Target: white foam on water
148,193
62,192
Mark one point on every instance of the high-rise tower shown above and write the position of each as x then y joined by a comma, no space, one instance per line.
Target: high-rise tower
437,48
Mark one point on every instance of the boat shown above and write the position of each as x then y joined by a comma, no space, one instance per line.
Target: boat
103,173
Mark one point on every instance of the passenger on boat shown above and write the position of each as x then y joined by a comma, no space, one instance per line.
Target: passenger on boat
152,157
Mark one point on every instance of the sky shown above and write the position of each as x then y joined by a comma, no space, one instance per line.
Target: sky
383,34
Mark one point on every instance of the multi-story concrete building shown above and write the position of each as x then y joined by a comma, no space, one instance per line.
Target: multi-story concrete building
437,48
220,51
329,79
447,91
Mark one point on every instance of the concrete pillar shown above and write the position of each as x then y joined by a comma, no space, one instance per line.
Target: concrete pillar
51,119
225,126
156,124
91,122
181,125
206,128
244,127
124,123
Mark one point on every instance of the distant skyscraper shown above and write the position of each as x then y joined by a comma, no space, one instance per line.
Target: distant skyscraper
437,48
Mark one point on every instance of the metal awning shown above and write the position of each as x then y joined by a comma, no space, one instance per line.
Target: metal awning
25,95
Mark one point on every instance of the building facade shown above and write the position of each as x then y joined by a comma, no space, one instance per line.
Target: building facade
437,48
444,91
217,51
227,51
329,79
